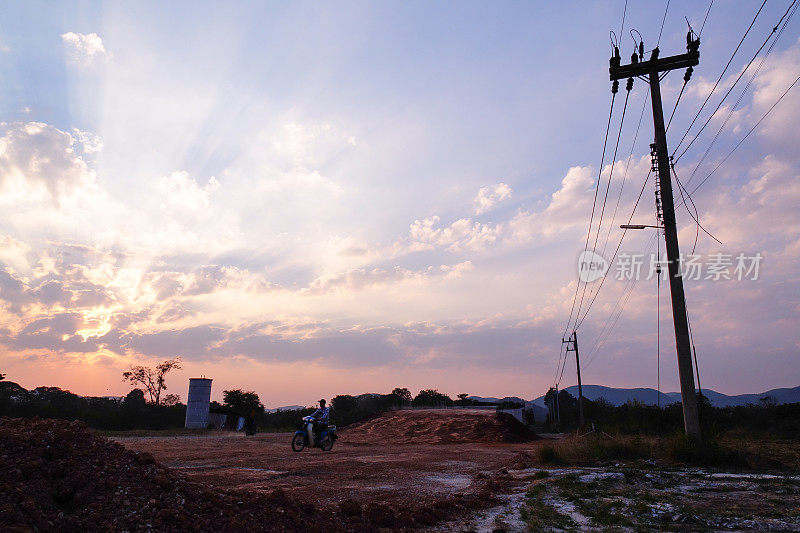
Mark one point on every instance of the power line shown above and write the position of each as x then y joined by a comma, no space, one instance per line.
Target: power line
695,216
619,244
685,81
610,175
594,206
625,175
739,77
720,76
608,187
615,314
664,19
747,134
741,96
624,12
706,18
658,326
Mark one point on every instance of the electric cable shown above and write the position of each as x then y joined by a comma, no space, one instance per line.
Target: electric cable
616,312
695,216
746,135
619,244
663,20
625,175
741,96
594,206
658,325
714,88
628,88
705,18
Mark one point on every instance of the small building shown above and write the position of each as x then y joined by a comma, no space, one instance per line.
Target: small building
197,403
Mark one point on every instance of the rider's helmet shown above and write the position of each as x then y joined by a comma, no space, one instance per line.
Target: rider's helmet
322,402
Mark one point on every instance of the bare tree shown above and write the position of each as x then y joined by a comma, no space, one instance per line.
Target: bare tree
171,399
152,379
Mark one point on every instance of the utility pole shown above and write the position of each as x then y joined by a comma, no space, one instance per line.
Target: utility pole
573,340
651,69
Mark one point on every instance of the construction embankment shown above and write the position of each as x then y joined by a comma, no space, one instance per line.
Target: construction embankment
441,426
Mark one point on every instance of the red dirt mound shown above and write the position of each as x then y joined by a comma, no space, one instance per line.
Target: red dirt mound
57,476
440,426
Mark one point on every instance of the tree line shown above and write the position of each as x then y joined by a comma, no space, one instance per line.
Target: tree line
644,419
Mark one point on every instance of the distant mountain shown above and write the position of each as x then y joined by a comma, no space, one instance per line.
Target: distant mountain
285,408
648,396
484,399
490,399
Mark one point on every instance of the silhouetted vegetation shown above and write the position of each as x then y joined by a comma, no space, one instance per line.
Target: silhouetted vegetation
346,409
284,420
432,398
242,402
676,448
133,412
153,380
637,418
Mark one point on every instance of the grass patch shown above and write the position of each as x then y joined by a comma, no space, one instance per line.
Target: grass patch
677,449
681,449
605,512
541,474
542,516
590,449
573,489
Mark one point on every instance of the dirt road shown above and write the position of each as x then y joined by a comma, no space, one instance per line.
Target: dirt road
376,471
400,457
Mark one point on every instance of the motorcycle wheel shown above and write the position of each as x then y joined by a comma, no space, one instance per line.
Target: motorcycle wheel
326,443
298,443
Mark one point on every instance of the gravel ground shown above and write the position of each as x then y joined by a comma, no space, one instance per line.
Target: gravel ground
58,476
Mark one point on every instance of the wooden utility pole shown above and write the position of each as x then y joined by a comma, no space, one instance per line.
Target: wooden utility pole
651,69
573,340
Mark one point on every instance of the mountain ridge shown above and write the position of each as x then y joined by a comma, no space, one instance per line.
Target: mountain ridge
620,396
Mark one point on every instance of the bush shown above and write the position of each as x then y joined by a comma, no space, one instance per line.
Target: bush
681,449
432,398
549,454
98,413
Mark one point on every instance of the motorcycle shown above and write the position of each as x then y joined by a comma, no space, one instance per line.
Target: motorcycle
324,441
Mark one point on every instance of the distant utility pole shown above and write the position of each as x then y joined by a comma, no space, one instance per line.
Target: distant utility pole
651,69
573,341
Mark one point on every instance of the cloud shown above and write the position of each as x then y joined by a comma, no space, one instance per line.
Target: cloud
567,209
85,48
359,278
90,142
490,196
463,234
182,191
33,153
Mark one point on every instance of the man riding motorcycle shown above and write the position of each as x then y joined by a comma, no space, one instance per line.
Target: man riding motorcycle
320,423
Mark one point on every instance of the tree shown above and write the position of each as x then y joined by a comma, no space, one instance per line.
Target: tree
135,398
171,400
402,395
344,404
242,401
432,398
153,380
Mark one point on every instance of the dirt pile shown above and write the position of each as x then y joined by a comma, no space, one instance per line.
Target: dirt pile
56,475
439,426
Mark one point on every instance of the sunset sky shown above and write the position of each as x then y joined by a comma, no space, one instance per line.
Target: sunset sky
307,199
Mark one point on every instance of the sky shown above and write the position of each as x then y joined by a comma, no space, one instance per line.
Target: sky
308,199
